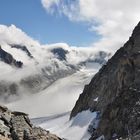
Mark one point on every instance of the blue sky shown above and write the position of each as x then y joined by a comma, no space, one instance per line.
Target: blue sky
32,18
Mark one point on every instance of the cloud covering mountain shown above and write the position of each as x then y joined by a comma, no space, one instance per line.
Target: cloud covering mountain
27,66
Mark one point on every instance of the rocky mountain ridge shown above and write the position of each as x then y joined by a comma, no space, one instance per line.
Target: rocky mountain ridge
116,88
17,126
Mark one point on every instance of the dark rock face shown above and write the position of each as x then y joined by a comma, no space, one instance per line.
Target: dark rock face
60,53
23,48
8,59
17,126
117,87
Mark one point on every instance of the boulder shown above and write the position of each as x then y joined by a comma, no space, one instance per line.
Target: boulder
17,126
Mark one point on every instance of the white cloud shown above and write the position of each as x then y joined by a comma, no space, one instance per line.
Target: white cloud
113,20
14,35
43,57
49,3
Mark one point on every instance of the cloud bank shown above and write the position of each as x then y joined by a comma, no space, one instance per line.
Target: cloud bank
113,20
13,35
46,65
43,57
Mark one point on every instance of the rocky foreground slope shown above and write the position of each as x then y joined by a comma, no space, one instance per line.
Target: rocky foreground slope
115,92
17,126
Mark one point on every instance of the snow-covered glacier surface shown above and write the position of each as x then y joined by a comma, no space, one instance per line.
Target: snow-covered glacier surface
58,98
50,109
74,129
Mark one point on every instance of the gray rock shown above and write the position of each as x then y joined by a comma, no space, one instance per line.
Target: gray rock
4,130
17,126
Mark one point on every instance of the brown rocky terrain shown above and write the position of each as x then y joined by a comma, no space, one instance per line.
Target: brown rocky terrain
117,87
17,126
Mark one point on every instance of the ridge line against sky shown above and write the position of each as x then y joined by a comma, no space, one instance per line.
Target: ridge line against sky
102,24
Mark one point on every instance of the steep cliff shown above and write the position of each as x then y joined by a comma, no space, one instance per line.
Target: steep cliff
115,92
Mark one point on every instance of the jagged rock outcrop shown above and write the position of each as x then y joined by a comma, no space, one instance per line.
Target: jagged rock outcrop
23,48
17,126
116,88
60,53
8,59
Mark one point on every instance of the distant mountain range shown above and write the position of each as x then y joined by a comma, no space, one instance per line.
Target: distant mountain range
27,67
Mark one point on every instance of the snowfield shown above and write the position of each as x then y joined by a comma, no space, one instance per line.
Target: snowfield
74,129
